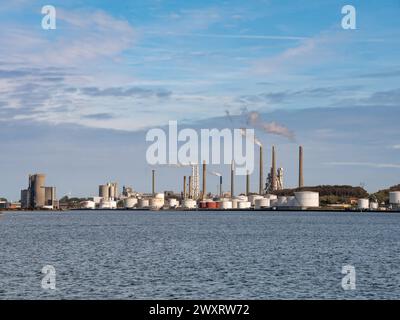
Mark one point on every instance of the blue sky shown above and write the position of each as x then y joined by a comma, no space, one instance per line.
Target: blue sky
113,69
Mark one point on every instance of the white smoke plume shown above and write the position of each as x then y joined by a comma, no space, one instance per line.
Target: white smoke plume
255,120
214,173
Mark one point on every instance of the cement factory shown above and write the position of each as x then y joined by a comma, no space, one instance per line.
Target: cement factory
193,197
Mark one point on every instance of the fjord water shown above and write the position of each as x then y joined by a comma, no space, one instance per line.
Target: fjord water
199,255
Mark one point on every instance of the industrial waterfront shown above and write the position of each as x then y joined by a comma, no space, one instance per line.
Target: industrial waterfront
270,196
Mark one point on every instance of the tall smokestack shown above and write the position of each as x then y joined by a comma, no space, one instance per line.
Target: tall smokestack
232,179
190,187
153,181
260,188
220,186
184,187
204,179
301,178
247,183
273,169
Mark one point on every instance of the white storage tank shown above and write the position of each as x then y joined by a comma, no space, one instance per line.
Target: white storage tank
108,204
244,205
189,204
253,198
235,203
159,196
143,203
173,203
363,204
130,203
307,199
262,203
226,204
88,205
394,198
373,205
156,203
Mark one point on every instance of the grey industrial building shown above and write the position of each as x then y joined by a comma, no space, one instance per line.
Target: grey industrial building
38,195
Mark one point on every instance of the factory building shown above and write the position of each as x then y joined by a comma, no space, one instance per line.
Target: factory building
109,191
37,195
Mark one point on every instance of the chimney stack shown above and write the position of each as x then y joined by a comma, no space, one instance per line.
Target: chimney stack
184,187
220,186
190,187
273,169
260,189
247,183
204,179
232,179
153,181
301,178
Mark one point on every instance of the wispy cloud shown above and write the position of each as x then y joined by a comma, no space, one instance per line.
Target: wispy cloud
365,164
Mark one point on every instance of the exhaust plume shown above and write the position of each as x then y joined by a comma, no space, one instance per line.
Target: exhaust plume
255,120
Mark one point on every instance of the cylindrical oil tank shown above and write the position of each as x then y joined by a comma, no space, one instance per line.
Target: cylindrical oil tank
88,205
130,203
108,204
235,203
261,203
394,197
244,205
189,204
143,203
373,205
156,203
307,199
173,203
226,204
363,204
282,202
211,205
253,197
203,204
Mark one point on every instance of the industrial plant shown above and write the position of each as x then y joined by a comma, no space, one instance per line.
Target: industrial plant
270,196
193,197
